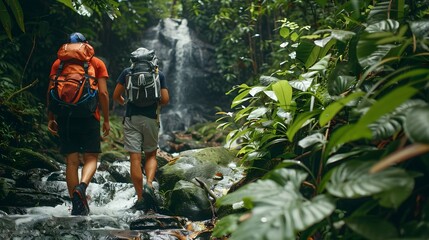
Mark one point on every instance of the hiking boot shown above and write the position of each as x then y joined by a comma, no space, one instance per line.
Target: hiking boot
79,202
139,205
150,199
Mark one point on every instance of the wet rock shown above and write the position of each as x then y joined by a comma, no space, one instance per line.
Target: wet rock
190,201
156,221
10,172
112,156
32,178
120,172
25,197
56,176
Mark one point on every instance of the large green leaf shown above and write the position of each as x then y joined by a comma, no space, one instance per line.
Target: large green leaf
5,19
386,126
383,27
340,35
282,218
377,41
379,11
257,113
369,53
313,139
283,91
387,104
244,112
288,163
341,78
322,64
17,12
259,189
345,134
308,53
226,225
279,211
372,227
344,156
390,124
283,176
299,122
255,90
420,28
417,124
303,84
400,9
240,98
353,180
419,73
67,3
327,47
335,107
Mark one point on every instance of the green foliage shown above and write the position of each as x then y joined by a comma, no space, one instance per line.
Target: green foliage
416,124
6,8
114,142
279,210
346,99
87,7
353,180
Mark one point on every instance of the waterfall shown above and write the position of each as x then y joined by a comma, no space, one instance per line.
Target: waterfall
188,65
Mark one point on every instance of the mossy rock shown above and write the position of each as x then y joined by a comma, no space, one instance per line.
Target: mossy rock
218,155
203,163
24,159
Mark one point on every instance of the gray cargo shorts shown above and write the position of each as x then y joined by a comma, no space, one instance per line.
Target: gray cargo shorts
140,133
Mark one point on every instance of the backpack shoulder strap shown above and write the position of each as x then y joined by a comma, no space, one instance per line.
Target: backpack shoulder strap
59,70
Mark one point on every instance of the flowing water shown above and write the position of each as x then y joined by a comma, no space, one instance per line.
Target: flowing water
110,217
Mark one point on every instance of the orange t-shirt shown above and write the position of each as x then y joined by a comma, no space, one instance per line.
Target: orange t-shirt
98,64
100,72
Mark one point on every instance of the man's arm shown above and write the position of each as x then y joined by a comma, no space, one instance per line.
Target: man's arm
52,124
103,97
165,97
117,94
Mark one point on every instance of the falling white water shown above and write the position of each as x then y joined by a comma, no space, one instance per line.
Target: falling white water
182,58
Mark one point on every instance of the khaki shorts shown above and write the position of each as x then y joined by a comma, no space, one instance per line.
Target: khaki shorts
140,133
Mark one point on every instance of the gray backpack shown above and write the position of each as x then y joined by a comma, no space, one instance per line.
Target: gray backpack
142,85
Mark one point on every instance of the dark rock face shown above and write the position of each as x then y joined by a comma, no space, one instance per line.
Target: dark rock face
157,221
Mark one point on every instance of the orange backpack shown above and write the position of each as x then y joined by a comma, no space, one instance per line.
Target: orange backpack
74,88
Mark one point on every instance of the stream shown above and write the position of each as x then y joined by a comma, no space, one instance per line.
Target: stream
110,215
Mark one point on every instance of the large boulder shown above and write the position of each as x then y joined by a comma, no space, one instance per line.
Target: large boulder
191,201
192,181
204,163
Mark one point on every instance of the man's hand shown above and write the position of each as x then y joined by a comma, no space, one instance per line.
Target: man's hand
106,128
53,127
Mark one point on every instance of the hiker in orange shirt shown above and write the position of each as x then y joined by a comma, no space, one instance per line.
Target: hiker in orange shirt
76,119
